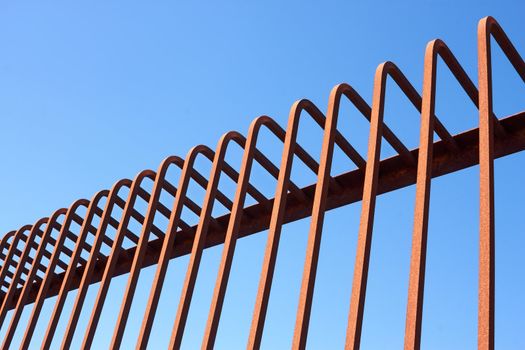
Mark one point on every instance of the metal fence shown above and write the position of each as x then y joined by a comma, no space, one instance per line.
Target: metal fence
38,263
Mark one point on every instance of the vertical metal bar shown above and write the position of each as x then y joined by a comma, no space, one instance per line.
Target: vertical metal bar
364,239
421,212
486,195
486,306
274,233
316,223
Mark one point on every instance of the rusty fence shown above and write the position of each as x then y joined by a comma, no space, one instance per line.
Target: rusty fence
36,262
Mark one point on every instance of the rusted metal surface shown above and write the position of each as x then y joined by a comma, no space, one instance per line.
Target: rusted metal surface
31,257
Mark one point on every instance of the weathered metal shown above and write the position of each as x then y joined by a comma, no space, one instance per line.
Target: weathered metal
24,250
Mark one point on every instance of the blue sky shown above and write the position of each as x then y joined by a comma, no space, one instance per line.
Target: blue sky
91,92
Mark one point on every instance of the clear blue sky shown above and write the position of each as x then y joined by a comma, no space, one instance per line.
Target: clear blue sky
91,92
